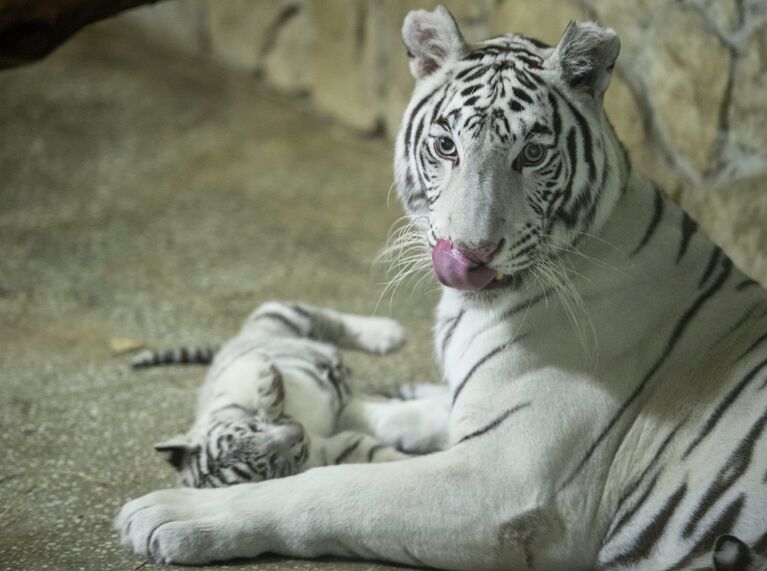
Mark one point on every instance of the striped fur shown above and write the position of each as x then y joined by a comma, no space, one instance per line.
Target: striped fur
201,355
275,396
607,392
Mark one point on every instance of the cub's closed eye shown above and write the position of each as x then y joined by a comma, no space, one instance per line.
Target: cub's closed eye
532,154
445,148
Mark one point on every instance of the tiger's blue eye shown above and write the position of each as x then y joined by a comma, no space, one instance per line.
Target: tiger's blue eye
445,148
533,154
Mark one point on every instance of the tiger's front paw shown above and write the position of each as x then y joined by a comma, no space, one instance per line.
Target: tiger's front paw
185,526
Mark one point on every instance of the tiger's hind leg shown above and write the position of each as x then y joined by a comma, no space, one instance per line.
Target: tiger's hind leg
377,335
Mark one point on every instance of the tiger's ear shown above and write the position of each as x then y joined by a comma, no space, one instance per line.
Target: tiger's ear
432,40
585,57
731,554
176,450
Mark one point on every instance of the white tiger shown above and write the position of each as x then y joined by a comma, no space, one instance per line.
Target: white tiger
629,439
276,399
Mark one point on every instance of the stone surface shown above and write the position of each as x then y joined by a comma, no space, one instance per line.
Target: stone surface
181,25
265,37
240,28
686,77
545,20
343,59
749,112
735,218
158,198
286,54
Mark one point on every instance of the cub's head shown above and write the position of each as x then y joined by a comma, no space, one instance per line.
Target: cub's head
505,158
237,444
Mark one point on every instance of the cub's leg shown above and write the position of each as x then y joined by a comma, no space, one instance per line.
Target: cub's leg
349,447
377,335
415,391
417,426
430,511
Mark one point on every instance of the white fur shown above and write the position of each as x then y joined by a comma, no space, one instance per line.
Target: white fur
546,437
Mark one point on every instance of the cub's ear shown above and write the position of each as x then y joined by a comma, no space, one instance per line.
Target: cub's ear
432,40
176,450
585,57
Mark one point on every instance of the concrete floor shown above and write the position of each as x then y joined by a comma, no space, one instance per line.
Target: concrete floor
146,196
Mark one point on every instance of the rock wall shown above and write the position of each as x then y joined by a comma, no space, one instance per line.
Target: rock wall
689,98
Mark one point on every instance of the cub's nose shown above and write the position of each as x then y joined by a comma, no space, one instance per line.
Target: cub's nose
480,252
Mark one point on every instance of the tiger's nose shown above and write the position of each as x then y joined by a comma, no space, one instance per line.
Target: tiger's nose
480,252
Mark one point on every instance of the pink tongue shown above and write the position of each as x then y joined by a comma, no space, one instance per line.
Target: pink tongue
455,270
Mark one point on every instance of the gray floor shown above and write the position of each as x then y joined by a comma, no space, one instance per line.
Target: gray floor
148,197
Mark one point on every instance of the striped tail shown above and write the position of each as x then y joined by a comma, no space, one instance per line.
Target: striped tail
177,356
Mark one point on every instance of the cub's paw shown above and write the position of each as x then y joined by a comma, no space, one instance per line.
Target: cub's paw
379,335
183,526
411,431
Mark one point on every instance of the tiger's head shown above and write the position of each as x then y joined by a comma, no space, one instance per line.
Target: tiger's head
238,444
505,157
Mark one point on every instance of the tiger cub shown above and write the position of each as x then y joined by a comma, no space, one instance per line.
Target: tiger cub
731,554
275,396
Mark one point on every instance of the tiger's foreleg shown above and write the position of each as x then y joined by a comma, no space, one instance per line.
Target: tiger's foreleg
431,511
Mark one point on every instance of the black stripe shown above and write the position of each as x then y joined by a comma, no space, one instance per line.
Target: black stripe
649,536
347,451
676,334
373,450
712,262
494,423
301,311
521,94
760,546
746,284
656,217
754,345
281,318
631,512
634,485
471,73
586,133
724,524
449,333
572,153
241,473
413,116
735,466
523,306
478,364
689,227
722,407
